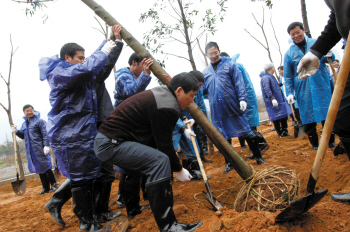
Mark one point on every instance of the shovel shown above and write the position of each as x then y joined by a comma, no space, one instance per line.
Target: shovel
301,205
18,186
333,70
208,195
56,172
298,131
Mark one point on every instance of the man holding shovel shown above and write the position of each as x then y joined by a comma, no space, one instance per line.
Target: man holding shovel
338,27
314,94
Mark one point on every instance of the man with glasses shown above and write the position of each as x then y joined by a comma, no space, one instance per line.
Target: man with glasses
225,87
313,94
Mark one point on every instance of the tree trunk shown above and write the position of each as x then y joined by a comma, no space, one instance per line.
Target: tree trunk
242,168
304,15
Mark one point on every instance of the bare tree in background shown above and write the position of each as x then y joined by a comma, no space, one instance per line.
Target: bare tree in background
8,108
305,21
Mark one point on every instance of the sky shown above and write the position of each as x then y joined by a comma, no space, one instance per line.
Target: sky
73,21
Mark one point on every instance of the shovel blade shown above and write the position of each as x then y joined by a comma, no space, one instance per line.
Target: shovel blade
19,187
301,132
300,206
212,200
120,224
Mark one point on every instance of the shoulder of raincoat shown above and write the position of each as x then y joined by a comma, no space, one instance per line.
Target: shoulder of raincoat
314,93
35,137
126,85
71,125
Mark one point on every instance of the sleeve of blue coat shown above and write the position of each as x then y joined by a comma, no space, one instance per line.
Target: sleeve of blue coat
288,75
126,88
20,132
200,102
239,83
73,75
266,85
42,125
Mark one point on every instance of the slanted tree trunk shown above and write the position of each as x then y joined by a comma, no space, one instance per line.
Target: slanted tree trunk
304,15
238,163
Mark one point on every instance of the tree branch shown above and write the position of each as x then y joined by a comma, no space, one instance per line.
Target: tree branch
274,33
3,79
255,39
177,56
3,107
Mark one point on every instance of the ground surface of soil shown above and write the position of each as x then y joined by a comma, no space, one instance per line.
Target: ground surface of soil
26,213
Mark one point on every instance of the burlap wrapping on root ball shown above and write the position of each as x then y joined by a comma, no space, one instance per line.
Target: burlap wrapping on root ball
270,189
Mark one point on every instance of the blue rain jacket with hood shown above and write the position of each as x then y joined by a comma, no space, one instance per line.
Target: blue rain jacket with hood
269,90
71,125
313,94
225,89
252,111
126,85
35,137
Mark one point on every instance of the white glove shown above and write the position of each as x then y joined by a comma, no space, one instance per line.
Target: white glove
189,133
46,150
14,128
190,121
184,175
308,66
290,99
243,105
107,48
329,54
274,103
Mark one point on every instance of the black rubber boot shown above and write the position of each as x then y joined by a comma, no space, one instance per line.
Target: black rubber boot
82,207
160,194
263,145
331,143
58,199
346,145
242,143
227,169
254,147
101,194
120,198
313,138
339,149
143,188
341,197
194,169
52,180
132,198
204,160
45,183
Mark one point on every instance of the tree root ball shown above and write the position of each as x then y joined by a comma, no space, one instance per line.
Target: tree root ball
270,189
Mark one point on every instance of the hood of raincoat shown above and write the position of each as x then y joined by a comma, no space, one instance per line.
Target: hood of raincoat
47,64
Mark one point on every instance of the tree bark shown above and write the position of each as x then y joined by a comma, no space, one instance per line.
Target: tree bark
242,168
305,21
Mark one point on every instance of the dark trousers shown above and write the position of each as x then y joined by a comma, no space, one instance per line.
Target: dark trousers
242,139
342,122
134,157
280,124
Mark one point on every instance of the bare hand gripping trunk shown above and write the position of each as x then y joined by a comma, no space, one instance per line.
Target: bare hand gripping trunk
242,168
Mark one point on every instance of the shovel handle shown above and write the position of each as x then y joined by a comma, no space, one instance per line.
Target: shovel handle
331,115
201,167
292,110
333,70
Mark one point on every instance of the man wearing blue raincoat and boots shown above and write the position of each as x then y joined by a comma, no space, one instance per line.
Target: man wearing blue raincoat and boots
276,105
33,131
252,111
313,94
72,121
224,85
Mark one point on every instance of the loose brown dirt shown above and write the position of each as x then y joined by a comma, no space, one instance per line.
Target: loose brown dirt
26,213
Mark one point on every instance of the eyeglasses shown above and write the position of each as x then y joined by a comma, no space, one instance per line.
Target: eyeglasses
213,53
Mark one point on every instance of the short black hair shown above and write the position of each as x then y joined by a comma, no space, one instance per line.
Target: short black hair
185,80
70,49
134,57
27,106
198,75
224,54
335,60
294,25
210,45
280,67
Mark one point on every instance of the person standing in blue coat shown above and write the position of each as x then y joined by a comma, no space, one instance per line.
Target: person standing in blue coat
33,131
132,80
313,94
276,105
224,85
252,111
72,121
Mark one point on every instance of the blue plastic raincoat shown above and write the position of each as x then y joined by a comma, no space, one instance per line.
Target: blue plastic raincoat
35,137
252,111
199,100
181,141
126,85
313,94
270,89
225,89
71,125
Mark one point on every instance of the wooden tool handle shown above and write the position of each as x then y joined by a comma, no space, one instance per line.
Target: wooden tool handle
333,70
